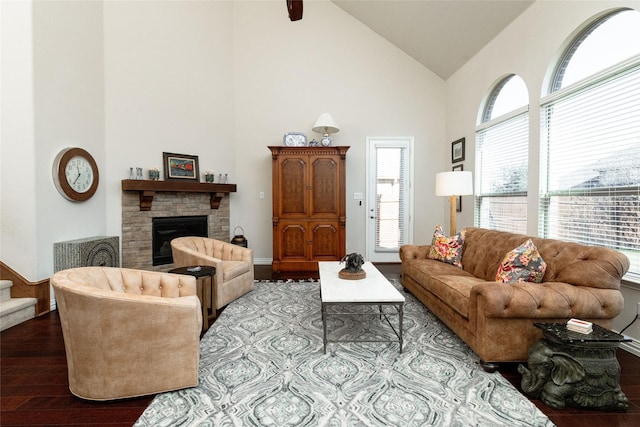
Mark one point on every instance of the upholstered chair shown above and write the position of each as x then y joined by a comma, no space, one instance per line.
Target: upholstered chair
128,332
233,263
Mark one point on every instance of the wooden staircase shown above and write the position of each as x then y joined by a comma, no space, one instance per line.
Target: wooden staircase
14,311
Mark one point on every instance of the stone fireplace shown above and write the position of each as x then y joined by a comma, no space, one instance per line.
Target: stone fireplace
137,240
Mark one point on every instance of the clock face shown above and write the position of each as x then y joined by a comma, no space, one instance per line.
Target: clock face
79,174
75,174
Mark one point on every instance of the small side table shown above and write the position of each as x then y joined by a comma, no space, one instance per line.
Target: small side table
568,368
205,289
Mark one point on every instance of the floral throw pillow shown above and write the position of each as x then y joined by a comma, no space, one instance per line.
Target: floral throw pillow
523,264
447,249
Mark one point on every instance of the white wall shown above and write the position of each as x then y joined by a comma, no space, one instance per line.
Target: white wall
18,231
168,88
287,74
528,48
219,79
69,112
52,99
223,80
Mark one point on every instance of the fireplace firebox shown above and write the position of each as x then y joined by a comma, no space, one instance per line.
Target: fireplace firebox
165,229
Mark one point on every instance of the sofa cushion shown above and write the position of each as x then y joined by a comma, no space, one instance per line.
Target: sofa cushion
522,264
447,249
454,290
233,269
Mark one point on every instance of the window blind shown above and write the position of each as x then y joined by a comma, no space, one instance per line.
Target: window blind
502,160
591,162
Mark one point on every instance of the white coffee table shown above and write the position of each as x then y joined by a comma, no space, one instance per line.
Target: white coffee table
374,289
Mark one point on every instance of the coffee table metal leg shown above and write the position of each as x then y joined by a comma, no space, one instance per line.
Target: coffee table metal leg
400,316
324,326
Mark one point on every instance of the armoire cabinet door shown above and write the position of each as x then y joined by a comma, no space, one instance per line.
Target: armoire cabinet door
324,184
294,241
325,240
293,186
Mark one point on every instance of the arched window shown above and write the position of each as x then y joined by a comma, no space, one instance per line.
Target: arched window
590,177
502,141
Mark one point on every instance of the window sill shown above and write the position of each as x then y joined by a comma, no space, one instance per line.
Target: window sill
631,281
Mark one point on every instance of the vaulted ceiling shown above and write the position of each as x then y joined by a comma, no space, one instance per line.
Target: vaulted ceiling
440,34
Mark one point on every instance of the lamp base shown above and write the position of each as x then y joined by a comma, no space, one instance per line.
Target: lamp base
452,215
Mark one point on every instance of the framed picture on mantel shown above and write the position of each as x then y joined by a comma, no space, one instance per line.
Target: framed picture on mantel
181,167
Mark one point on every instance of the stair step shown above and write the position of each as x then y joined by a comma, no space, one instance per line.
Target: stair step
5,289
16,310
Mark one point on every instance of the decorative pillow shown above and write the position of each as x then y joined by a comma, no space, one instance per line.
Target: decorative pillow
447,249
523,264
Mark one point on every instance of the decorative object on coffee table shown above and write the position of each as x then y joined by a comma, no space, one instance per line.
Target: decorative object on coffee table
353,267
569,368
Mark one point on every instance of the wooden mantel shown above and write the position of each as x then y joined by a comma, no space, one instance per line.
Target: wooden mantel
148,189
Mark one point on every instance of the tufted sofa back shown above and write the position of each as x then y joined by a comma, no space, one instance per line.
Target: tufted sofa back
129,281
214,248
573,263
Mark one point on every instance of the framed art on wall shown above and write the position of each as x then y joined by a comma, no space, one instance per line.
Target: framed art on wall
459,201
181,167
457,151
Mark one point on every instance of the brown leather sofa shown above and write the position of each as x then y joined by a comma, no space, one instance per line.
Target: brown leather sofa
233,263
128,332
496,319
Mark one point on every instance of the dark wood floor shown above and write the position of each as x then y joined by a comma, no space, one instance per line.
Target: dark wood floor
34,387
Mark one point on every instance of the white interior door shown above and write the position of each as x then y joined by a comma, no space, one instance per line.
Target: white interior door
389,197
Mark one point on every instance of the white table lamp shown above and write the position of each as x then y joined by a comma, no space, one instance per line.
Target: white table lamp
325,125
453,184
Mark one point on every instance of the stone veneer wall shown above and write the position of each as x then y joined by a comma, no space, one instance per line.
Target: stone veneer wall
136,224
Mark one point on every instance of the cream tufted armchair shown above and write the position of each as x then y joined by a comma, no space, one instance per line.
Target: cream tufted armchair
128,332
233,263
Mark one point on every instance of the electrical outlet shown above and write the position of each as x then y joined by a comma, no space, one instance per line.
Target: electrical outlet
638,310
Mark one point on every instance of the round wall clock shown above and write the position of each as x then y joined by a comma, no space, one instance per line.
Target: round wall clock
75,174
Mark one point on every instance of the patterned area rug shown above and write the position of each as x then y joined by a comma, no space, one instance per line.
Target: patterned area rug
262,364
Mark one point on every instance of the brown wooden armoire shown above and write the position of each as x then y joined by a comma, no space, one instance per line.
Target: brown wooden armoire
309,212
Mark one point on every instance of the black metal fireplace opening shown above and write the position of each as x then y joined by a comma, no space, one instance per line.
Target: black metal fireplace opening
165,229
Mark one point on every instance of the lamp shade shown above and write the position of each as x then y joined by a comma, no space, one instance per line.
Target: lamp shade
325,124
455,183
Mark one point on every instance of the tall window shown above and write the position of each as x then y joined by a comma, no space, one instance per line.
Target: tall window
502,152
591,139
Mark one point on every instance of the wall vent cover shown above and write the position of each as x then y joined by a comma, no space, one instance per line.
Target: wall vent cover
87,252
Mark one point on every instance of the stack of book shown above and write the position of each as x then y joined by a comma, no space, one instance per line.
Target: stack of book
580,326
